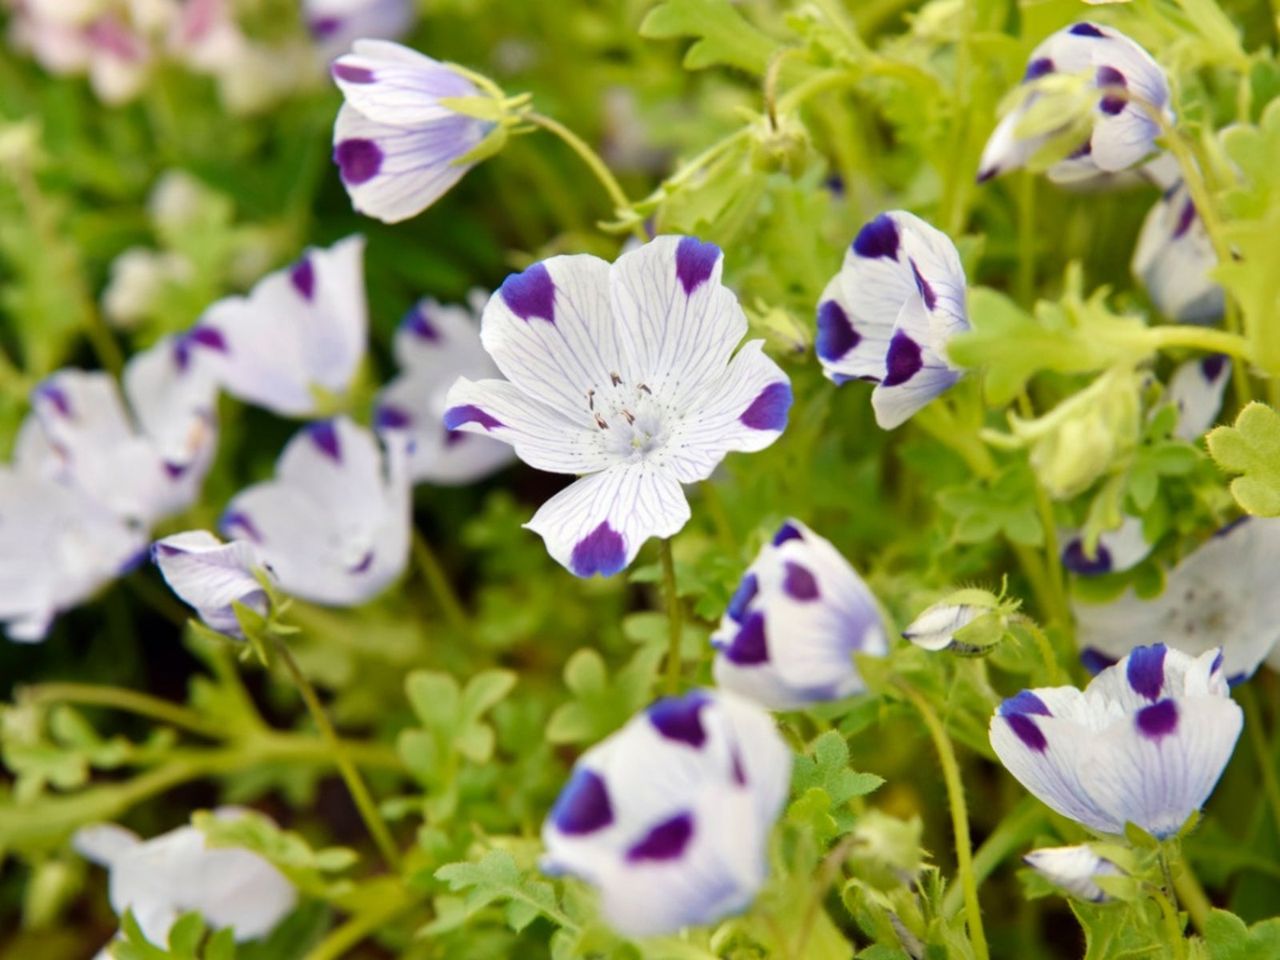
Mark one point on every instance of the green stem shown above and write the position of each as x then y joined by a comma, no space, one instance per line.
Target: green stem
360,925
1026,283
593,161
1014,832
355,783
1055,580
1257,733
438,583
673,618
1168,901
1057,675
1191,893
959,819
117,698
1199,338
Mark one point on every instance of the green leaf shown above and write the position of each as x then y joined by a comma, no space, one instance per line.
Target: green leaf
497,878
825,772
722,36
1005,505
600,705
1251,447
1228,938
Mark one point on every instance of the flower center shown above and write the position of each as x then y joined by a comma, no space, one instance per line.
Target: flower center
632,422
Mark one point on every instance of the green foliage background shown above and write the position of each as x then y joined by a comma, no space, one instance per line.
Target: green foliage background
891,99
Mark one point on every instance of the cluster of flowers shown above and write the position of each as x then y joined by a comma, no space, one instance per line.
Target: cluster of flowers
630,377
119,43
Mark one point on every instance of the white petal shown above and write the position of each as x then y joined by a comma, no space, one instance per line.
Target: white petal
936,627
598,523
103,843
915,374
1074,869
210,575
394,173
1117,550
1195,389
392,84
336,24
1173,258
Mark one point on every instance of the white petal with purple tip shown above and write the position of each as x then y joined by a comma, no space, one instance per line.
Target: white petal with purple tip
1173,258
337,24
936,627
1196,389
1074,869
210,576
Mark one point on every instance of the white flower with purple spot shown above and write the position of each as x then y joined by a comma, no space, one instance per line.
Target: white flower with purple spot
334,524
624,374
1174,257
434,345
297,340
146,461
1144,743
336,24
1221,595
160,879
799,615
669,818
936,628
58,545
212,576
887,316
401,139
1075,869
1122,131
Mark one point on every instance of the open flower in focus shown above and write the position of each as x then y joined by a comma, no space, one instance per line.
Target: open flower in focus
211,576
334,524
1144,743
669,818
1115,130
434,345
297,340
625,375
160,879
887,315
799,615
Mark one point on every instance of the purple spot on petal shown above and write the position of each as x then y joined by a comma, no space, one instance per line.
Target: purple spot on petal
750,646
739,771
1185,219
352,74
56,396
666,841
1085,29
836,335
303,278
236,525
1077,561
742,597
325,436
454,437
1145,670
358,161
419,324
602,551
208,337
1023,703
879,238
1217,663
787,531
134,561
583,805
1039,67
363,566
903,360
694,262
1213,366
926,290
769,410
1084,150
322,28
388,417
455,417
1158,720
676,718
530,294
175,471
800,583
1095,661
1111,77
1025,729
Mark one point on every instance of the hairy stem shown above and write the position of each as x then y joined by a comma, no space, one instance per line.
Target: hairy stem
360,925
437,582
593,161
674,618
118,698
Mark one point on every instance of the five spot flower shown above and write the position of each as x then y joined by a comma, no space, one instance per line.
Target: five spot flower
1144,743
212,576
1173,259
794,624
626,375
887,316
669,818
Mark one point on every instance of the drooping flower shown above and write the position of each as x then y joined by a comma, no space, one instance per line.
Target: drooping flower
625,375
334,524
400,140
669,817
160,879
1144,743
299,335
147,461
337,24
1219,596
799,615
936,628
1075,869
210,576
434,345
58,545
1195,392
968,622
887,315
1173,258
1121,132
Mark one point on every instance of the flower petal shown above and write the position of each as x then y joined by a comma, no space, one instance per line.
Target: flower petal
1196,389
391,84
210,576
